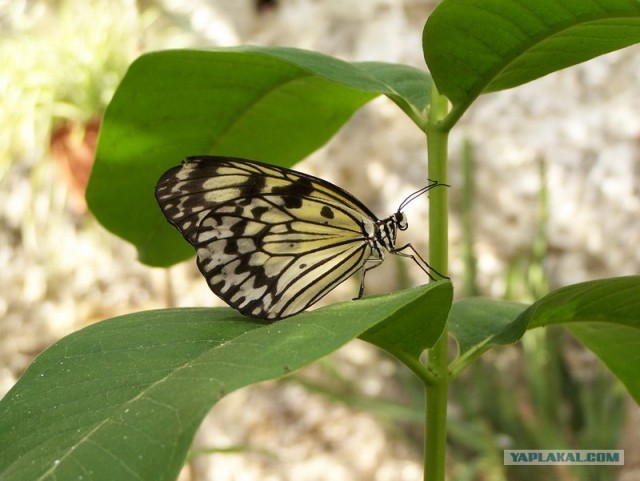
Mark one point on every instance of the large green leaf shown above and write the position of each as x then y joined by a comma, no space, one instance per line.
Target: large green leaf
478,324
270,104
122,399
415,327
478,46
479,321
605,316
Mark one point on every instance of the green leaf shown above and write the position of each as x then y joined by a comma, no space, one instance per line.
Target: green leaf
605,316
414,328
479,46
408,87
618,346
122,399
478,321
478,324
275,105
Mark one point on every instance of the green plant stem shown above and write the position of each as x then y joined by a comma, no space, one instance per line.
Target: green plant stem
436,392
466,200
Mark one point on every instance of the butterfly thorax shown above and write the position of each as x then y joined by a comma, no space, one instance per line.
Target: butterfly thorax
386,230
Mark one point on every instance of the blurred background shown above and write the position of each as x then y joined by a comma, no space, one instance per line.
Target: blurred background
545,192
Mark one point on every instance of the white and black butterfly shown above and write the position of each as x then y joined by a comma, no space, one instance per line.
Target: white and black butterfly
272,241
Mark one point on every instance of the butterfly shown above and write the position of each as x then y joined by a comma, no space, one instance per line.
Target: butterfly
271,241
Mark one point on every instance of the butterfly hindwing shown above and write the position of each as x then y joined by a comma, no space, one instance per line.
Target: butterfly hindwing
269,241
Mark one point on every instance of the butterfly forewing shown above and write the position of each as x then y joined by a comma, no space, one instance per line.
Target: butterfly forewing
269,241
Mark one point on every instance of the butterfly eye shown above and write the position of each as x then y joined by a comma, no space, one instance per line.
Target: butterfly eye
401,220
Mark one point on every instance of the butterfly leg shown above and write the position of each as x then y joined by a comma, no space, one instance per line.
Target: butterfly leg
373,263
417,258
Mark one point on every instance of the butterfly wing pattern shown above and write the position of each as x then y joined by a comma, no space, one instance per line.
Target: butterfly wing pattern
271,241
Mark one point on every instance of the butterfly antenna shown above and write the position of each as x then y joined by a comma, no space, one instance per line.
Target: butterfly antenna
418,193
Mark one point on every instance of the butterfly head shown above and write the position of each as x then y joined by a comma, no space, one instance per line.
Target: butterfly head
400,220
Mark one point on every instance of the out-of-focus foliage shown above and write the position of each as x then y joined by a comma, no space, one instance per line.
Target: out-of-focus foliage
60,60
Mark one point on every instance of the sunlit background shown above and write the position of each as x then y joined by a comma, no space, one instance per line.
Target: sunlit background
545,192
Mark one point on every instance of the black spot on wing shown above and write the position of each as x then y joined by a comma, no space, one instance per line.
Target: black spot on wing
255,184
257,212
231,246
293,193
250,188
327,212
